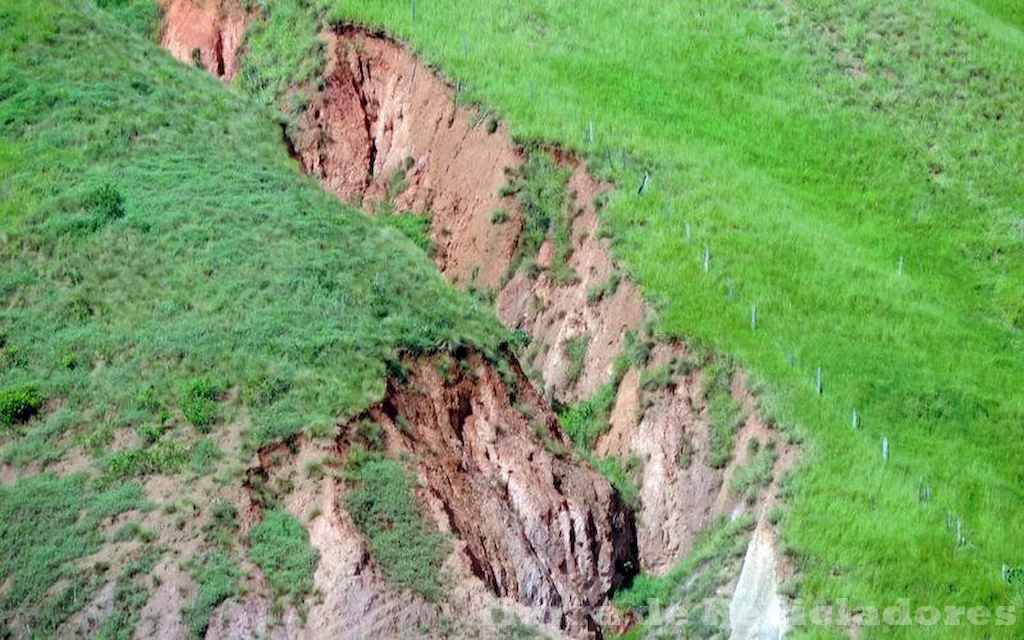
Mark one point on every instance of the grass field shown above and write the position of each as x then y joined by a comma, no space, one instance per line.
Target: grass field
816,146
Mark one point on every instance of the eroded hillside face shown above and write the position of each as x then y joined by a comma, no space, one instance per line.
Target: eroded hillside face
530,524
207,34
382,119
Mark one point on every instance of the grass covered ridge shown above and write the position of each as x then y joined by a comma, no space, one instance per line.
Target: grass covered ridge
220,266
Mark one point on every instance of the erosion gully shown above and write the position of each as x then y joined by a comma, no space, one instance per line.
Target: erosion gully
537,532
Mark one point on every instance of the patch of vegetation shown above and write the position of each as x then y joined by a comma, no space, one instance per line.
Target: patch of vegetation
47,523
199,399
500,216
636,349
403,541
589,419
167,456
654,378
130,595
279,544
203,454
694,583
604,289
263,390
283,51
414,226
140,16
217,575
576,351
19,403
758,470
724,412
220,530
623,474
540,186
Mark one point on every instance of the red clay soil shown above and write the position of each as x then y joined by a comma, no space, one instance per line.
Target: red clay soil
205,32
382,111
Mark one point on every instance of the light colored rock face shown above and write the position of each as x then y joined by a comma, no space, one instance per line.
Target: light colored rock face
757,611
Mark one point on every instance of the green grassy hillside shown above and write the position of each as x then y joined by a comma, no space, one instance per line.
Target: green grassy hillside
814,145
855,167
167,269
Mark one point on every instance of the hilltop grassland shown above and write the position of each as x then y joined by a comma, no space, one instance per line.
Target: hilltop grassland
856,170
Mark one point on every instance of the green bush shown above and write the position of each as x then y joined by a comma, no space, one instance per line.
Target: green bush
724,411
264,390
587,420
19,403
199,401
107,203
204,453
166,456
149,433
576,351
601,290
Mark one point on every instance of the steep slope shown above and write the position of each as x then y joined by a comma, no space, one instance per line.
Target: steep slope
195,339
384,130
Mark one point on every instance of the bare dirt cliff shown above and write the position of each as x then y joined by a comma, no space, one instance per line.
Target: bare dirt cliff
207,34
534,530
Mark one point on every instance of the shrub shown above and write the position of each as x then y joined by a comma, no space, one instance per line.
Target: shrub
217,575
203,454
598,292
414,226
658,377
149,433
199,401
166,456
500,216
636,349
107,203
19,403
587,421
371,435
264,390
725,413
